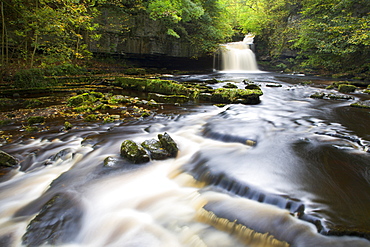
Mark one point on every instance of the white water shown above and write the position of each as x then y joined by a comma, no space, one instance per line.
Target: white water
237,57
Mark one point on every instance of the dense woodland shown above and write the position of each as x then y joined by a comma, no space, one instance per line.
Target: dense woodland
329,36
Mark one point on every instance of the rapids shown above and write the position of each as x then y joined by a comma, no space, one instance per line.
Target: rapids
290,171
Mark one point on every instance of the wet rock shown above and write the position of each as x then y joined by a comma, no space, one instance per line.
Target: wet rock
7,161
168,98
273,85
317,95
57,223
345,88
230,85
155,149
252,86
35,120
110,161
63,154
339,96
133,152
8,164
362,104
169,144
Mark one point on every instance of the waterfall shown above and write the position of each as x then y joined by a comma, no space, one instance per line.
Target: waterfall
238,57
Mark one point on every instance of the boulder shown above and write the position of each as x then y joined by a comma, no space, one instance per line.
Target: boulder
169,144
155,149
133,152
345,88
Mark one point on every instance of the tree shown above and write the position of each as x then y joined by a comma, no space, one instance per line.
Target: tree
335,34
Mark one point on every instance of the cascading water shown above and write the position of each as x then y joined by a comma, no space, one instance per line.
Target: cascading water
238,57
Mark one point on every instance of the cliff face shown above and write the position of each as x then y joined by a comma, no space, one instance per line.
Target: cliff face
145,37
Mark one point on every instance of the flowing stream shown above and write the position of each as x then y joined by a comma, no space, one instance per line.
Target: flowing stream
290,171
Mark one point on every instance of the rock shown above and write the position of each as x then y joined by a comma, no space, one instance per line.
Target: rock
230,85
362,104
57,223
35,120
273,85
252,86
317,95
345,88
133,152
169,144
340,96
156,149
168,98
7,161
110,161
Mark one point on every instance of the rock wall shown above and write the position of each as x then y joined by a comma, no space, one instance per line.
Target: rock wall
145,37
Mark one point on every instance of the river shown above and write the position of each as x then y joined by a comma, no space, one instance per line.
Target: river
291,170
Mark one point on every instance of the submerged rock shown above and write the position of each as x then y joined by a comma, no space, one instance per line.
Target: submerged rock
169,144
133,152
57,223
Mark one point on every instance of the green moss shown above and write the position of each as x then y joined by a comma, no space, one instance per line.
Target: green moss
154,86
362,104
35,120
31,103
29,128
6,102
68,126
245,96
317,95
5,122
230,85
134,71
330,87
345,88
133,152
91,118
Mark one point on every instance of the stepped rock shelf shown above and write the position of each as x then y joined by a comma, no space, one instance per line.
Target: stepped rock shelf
168,90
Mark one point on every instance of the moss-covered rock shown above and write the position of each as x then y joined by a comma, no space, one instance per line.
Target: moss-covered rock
168,98
230,85
339,96
156,149
133,152
85,98
169,144
317,95
345,88
244,96
362,104
154,86
36,120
